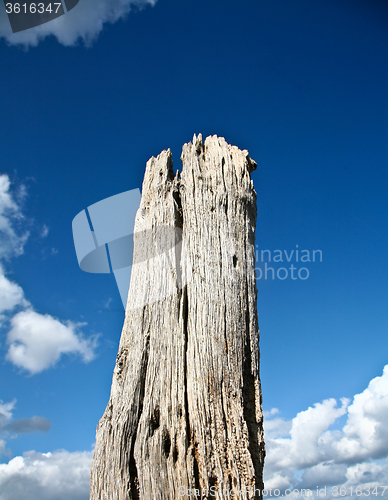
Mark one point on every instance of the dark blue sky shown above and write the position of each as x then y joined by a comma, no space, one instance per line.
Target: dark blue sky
303,86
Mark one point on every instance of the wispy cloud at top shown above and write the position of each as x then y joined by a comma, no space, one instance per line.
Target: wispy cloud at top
83,23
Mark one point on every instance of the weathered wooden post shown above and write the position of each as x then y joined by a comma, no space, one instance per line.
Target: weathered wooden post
185,411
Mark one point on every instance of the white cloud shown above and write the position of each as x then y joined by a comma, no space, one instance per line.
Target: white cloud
37,341
11,243
11,294
44,476
305,453
84,22
276,427
273,411
6,411
44,231
366,430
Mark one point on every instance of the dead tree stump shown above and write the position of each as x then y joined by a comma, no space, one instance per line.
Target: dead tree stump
184,419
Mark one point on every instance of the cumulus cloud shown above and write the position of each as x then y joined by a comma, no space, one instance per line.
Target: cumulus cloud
37,341
45,476
366,431
83,23
306,453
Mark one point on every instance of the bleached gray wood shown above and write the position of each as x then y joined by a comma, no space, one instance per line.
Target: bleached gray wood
185,410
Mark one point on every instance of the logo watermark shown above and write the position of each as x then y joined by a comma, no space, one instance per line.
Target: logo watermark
105,240
332,492
26,14
272,263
